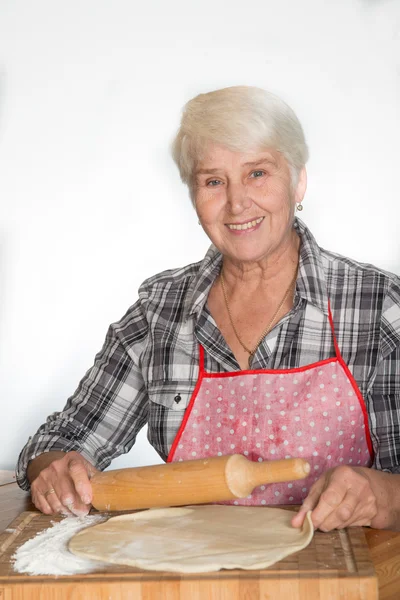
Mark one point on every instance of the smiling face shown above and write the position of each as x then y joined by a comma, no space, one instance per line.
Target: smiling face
245,201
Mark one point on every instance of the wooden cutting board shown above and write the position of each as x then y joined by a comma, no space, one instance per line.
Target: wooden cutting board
335,565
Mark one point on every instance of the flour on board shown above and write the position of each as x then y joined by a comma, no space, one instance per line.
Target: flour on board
47,552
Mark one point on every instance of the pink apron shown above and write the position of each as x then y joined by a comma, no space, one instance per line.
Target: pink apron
315,412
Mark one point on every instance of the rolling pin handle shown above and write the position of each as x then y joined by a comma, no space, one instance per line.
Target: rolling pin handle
243,475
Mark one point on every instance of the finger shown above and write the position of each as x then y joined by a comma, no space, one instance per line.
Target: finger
299,518
78,508
90,469
347,511
71,501
51,497
80,479
49,503
329,501
365,513
41,504
49,493
309,503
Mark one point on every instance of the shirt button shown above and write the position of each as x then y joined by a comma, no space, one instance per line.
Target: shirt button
177,398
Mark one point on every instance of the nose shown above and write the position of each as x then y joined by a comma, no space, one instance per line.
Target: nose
237,197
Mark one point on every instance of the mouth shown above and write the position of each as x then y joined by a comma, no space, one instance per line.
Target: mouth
244,226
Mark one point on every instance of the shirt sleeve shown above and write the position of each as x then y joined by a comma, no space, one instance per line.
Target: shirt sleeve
383,398
103,417
385,416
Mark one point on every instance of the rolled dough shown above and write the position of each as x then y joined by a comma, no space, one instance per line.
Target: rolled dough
195,539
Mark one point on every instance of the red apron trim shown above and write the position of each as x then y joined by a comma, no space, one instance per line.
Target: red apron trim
353,383
320,363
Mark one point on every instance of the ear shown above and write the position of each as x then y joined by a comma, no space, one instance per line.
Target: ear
301,186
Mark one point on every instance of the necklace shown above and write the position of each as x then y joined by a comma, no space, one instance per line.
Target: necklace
268,328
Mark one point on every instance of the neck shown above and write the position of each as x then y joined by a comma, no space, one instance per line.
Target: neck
280,264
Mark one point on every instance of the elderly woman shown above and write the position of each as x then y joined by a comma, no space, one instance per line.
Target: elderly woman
270,346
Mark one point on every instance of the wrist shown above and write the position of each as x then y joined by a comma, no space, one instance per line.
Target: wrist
386,489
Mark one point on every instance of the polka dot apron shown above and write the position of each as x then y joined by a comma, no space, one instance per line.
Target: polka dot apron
315,412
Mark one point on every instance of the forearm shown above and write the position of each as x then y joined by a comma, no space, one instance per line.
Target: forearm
386,488
42,461
67,431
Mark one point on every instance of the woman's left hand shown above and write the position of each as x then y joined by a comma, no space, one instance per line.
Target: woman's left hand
343,497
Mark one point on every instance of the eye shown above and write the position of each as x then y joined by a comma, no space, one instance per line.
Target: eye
257,174
213,182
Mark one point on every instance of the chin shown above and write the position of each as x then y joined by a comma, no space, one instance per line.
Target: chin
248,256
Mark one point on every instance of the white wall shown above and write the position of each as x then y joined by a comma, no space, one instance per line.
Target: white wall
91,203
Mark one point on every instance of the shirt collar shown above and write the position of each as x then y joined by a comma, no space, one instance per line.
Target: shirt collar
311,280
200,287
310,284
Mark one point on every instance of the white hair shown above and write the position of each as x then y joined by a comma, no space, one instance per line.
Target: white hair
242,119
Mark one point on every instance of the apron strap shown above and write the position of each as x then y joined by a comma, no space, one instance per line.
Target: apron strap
201,359
335,343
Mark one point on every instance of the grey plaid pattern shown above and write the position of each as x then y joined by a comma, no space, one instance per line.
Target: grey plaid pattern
149,364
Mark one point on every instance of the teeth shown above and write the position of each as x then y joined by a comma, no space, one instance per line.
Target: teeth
246,225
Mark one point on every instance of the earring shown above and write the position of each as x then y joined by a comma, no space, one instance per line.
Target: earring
299,207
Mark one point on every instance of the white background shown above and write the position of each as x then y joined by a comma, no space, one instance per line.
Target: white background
91,203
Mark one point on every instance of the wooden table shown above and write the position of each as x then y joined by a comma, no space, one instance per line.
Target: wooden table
384,546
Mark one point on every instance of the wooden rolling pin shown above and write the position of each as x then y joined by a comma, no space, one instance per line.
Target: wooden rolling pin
190,482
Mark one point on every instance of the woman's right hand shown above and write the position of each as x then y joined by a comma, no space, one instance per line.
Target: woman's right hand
60,483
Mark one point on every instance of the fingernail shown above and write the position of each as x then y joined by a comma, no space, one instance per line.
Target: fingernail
80,513
85,499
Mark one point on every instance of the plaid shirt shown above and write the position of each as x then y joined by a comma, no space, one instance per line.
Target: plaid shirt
151,357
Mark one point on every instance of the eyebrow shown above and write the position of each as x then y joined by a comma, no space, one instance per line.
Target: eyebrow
206,171
255,163
262,161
